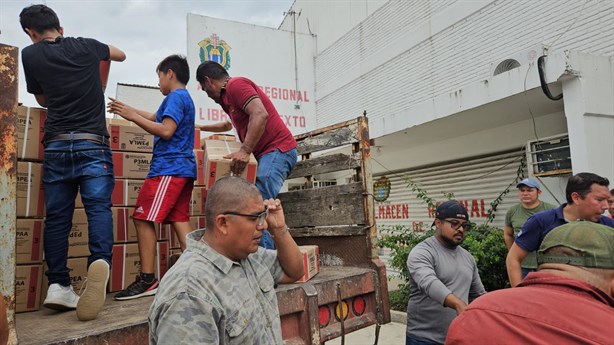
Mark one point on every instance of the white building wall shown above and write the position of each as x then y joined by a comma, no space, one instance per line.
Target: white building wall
400,55
338,18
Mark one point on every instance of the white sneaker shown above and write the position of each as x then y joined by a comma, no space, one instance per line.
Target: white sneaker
61,297
92,299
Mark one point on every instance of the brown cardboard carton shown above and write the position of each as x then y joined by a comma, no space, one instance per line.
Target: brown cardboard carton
119,121
200,167
28,282
130,138
123,225
30,196
126,266
197,203
29,241
30,131
77,269
311,262
131,165
216,166
196,222
224,137
162,258
196,139
78,237
126,192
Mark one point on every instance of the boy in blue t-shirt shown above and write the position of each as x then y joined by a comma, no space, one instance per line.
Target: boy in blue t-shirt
166,193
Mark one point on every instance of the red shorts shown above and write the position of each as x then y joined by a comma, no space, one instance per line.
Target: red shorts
164,199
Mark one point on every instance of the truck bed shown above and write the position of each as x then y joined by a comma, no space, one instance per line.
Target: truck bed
126,322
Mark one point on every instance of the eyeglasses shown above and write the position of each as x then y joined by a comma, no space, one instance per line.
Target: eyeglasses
457,224
260,216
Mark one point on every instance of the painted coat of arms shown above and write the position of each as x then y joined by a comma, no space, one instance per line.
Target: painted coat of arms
214,49
381,189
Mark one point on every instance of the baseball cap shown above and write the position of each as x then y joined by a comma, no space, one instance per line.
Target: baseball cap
594,242
529,182
451,209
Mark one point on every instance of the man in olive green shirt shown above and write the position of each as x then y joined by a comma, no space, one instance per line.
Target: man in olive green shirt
528,193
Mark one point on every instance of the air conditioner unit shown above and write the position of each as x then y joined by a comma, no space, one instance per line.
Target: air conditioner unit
518,59
549,156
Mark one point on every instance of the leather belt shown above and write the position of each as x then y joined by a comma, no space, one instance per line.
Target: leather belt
100,139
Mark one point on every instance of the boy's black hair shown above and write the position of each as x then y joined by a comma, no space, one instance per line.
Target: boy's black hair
39,18
582,183
179,65
210,69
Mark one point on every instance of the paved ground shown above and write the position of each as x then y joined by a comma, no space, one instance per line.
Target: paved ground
390,334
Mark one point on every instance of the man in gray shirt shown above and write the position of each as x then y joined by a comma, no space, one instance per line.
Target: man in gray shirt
442,277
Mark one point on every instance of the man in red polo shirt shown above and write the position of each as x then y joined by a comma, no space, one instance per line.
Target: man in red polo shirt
259,127
569,300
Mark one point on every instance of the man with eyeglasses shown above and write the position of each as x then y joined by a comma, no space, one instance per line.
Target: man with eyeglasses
528,193
443,277
587,199
222,288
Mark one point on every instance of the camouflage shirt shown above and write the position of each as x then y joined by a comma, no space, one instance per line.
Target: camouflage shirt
206,298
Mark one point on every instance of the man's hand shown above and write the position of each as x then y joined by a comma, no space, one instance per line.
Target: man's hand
122,109
276,219
239,161
455,303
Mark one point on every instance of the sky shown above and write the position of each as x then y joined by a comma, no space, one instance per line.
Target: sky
146,30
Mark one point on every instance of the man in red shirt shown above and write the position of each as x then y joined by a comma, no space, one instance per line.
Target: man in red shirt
571,296
259,127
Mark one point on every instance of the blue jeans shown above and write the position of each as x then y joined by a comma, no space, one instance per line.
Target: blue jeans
273,169
72,166
418,341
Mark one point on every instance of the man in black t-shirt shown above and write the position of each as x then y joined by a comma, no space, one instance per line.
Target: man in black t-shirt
64,76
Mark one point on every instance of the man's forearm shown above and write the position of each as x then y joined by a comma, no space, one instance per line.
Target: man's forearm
288,254
513,262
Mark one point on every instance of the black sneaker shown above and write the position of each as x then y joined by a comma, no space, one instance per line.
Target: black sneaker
138,289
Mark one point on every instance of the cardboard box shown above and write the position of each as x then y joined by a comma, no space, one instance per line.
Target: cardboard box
127,264
126,192
200,167
123,225
30,196
162,258
311,262
29,241
196,139
30,131
131,165
197,222
224,137
77,269
125,267
130,138
78,238
217,167
28,282
119,121
197,203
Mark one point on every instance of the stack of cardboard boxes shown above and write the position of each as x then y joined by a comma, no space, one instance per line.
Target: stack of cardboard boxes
30,209
132,153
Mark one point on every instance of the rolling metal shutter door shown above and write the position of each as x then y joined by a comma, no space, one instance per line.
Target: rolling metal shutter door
475,182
